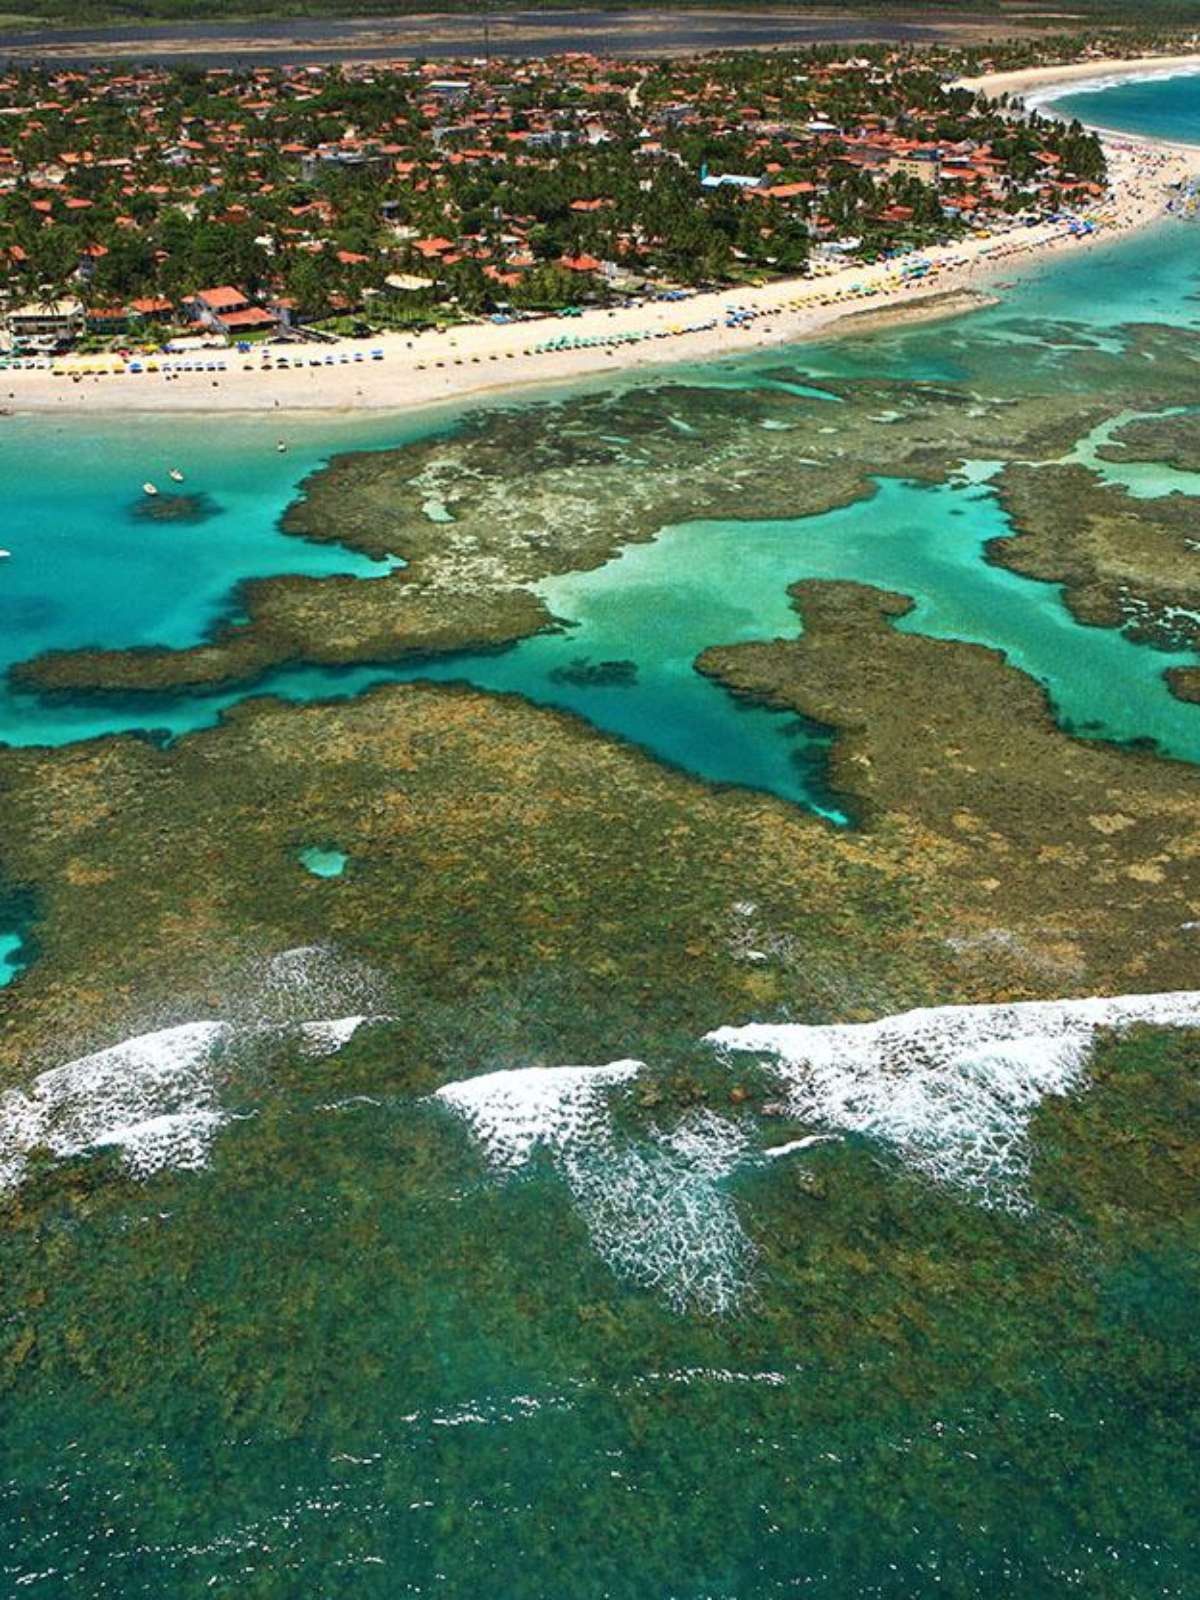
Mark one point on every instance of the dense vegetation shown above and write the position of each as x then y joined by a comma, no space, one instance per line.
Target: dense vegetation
534,185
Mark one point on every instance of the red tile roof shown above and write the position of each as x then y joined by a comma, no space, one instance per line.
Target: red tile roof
252,317
223,298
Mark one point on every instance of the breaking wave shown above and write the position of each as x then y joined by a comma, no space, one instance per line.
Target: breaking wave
513,1114
951,1089
660,1215
158,1096
655,1211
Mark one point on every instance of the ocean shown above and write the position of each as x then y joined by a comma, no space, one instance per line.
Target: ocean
375,1335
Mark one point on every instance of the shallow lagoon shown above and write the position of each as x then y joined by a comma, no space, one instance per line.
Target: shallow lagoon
659,605
634,627
88,568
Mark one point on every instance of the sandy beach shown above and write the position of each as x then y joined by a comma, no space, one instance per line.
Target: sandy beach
1040,79
422,370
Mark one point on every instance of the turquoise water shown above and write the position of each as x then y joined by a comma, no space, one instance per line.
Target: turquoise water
16,918
1161,108
87,567
323,862
659,605
11,945
655,606
345,1360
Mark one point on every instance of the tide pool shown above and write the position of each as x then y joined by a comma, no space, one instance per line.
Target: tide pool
659,605
11,946
323,862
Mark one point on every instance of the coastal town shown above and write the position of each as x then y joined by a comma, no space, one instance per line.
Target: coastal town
143,209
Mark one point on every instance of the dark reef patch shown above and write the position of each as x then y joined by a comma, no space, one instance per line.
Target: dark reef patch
175,508
586,674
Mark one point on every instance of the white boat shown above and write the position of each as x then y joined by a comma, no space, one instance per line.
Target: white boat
176,475
149,488
4,554
281,447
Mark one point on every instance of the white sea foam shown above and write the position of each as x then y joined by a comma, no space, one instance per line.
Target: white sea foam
774,1151
659,1215
514,1113
707,1142
951,1089
156,1096
308,982
118,1096
180,1140
655,1212
326,1038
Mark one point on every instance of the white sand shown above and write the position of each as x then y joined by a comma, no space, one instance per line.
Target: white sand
1038,80
431,368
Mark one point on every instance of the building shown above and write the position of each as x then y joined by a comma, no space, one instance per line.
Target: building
229,311
355,158
407,283
59,322
450,88
107,320
152,308
730,180
253,319
924,165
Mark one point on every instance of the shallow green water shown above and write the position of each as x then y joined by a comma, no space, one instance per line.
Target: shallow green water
350,1358
347,1361
659,605
323,862
10,956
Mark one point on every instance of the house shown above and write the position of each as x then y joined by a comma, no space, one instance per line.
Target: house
407,282
229,311
206,305
152,309
254,319
356,158
450,88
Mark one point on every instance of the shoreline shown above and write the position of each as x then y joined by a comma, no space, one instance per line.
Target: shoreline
1078,74
484,360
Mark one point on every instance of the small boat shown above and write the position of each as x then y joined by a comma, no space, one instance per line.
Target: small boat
4,554
176,475
149,488
281,447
